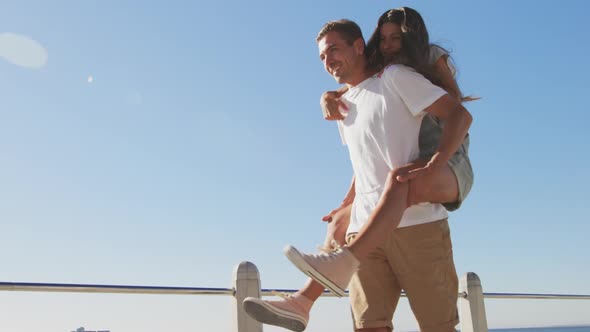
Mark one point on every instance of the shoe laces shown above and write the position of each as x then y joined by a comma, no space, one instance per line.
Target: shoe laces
283,295
334,247
293,303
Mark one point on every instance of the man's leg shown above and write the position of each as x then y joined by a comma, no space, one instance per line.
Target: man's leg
374,293
422,257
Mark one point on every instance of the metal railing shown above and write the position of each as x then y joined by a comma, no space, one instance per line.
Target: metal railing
127,289
246,282
113,289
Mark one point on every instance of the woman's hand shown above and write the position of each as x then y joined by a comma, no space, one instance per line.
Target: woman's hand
332,104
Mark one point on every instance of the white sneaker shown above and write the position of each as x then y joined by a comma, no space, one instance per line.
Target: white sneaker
290,312
332,270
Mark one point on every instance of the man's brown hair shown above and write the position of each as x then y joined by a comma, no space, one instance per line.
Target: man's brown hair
349,30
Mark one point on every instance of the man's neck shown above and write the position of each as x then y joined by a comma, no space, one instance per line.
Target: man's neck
358,79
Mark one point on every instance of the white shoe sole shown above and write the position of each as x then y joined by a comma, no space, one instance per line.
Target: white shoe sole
297,259
268,314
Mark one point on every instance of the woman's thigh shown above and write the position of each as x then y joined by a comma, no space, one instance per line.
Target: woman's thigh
438,186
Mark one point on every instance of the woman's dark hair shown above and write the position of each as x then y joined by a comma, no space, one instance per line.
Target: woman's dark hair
415,44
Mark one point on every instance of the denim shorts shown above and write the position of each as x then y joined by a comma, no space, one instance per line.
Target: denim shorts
429,139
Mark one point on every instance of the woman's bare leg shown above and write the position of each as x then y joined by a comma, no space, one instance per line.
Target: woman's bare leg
334,271
439,186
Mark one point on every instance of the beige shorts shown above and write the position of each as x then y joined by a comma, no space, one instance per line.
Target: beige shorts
417,259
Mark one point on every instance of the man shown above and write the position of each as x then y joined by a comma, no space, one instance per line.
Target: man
381,131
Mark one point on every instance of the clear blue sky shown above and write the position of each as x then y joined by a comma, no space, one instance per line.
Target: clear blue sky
200,143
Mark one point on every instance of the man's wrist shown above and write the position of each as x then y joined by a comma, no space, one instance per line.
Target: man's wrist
347,201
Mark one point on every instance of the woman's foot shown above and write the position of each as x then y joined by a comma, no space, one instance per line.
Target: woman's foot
290,312
331,270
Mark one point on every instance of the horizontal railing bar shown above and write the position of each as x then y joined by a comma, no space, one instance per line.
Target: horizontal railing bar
271,292
86,288
90,288
536,296
463,294
127,289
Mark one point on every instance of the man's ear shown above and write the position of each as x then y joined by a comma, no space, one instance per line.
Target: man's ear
359,46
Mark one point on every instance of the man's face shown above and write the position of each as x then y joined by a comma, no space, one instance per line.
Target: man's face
339,58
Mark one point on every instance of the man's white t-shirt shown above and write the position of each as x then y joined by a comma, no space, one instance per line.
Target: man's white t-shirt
381,130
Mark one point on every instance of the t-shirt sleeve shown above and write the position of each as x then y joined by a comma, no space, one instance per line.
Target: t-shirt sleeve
436,52
414,89
341,131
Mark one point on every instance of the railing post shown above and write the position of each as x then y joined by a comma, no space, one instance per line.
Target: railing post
246,283
471,307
